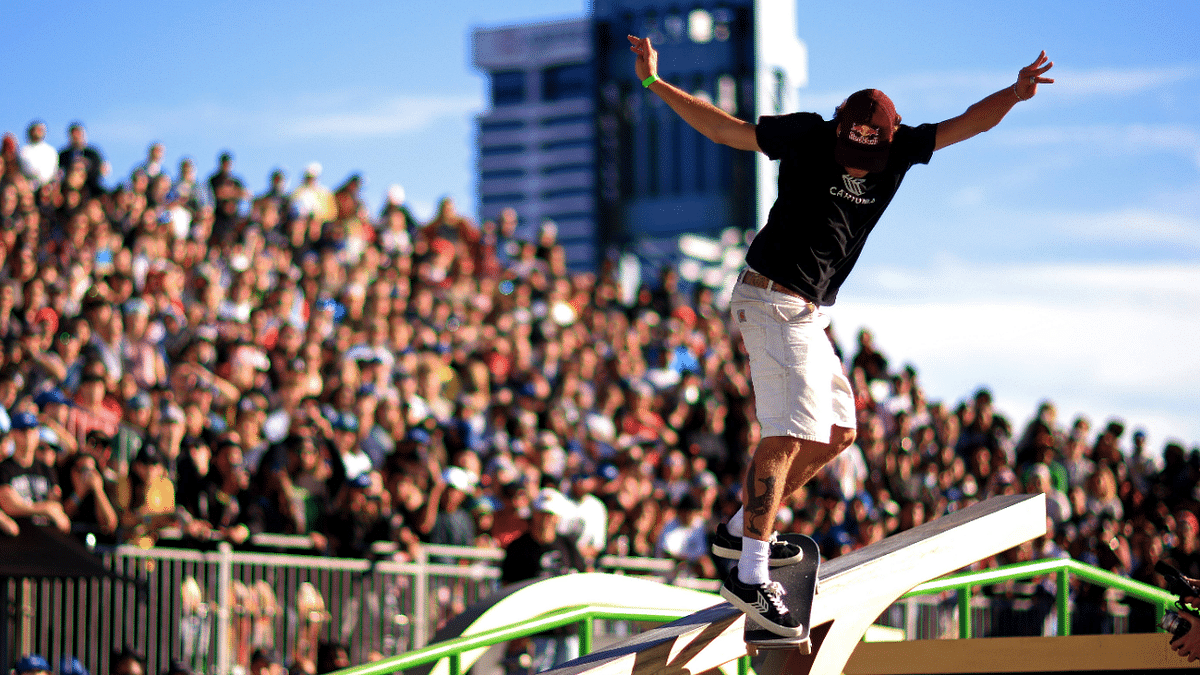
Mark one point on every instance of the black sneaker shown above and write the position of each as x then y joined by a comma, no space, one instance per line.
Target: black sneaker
762,603
725,545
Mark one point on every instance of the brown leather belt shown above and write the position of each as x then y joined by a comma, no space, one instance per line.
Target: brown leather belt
759,281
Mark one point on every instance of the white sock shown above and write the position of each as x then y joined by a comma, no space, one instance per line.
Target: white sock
737,522
754,565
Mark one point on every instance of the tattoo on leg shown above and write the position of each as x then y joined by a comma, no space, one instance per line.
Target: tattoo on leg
758,507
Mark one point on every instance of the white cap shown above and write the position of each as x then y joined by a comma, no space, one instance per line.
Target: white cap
458,478
552,501
313,169
395,194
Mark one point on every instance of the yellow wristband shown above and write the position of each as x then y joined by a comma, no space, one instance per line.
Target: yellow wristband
650,80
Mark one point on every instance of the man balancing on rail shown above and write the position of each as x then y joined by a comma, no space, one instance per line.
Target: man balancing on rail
836,178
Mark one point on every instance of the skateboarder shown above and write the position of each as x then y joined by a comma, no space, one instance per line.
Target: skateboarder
836,177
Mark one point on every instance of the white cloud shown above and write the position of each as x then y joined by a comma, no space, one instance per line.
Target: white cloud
1102,340
335,114
1097,283
1115,231
1108,139
1133,226
1119,81
390,117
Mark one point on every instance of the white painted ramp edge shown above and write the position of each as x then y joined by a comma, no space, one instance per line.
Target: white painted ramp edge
570,590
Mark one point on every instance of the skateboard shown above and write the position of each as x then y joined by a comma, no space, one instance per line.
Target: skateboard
800,582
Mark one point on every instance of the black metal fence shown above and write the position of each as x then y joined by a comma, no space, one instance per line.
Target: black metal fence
211,610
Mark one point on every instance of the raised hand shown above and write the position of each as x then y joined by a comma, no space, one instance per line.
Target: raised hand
647,57
1031,76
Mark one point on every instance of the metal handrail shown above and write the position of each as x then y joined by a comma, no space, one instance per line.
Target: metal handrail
960,583
453,649
1061,568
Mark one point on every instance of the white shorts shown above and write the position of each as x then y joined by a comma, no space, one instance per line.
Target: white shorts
800,386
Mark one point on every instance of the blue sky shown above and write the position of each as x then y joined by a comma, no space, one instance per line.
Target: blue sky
1057,256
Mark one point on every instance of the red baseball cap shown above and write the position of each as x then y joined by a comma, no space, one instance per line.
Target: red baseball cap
866,122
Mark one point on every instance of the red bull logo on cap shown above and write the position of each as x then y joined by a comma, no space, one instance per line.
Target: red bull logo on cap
864,134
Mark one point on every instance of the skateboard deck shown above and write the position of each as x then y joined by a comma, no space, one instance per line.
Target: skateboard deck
800,583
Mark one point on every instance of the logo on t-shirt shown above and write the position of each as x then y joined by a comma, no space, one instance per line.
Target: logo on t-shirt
853,190
855,186
32,487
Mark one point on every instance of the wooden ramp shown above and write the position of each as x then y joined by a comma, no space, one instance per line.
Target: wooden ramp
854,590
1128,653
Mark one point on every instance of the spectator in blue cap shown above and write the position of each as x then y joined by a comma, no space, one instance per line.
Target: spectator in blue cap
55,408
69,665
32,664
24,420
29,487
53,396
346,444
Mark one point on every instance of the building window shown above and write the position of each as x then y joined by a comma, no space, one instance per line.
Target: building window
498,150
508,87
571,144
503,198
674,24
651,28
562,120
571,215
496,174
569,81
502,125
567,192
559,169
722,18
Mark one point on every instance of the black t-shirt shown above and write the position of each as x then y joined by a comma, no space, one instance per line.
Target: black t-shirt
822,216
35,483
525,558
227,190
93,163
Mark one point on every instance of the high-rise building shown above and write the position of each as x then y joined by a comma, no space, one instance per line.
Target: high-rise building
536,142
571,135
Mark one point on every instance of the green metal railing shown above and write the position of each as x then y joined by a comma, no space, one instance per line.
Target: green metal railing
1061,568
583,616
962,584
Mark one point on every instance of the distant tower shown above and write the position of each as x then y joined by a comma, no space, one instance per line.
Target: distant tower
572,136
536,144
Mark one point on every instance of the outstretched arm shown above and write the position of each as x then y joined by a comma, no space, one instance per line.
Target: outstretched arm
716,124
987,113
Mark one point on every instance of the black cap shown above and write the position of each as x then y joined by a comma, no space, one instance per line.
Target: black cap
150,454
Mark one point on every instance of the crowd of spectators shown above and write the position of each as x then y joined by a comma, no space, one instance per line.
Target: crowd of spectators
183,355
